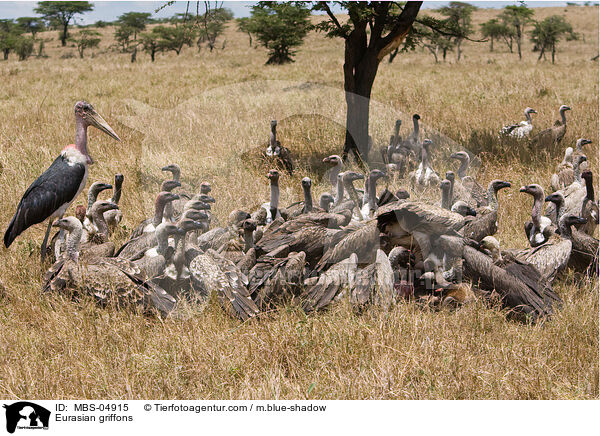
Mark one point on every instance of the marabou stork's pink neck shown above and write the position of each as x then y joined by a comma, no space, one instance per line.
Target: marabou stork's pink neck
81,138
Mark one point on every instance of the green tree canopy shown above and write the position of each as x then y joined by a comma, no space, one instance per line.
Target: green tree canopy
212,24
23,47
243,25
151,42
86,38
62,13
459,18
129,25
136,21
10,32
174,38
517,17
280,27
495,29
547,33
32,25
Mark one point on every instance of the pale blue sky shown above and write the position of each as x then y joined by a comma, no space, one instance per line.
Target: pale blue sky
110,10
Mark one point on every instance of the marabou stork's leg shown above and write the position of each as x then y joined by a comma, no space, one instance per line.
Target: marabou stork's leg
46,239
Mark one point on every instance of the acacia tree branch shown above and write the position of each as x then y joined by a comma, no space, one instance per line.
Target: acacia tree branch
333,18
400,29
444,33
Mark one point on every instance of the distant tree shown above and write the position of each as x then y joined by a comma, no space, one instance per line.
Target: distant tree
135,21
547,33
459,18
62,13
174,38
150,42
280,27
122,36
495,29
128,27
32,25
41,53
23,47
435,42
9,33
517,17
86,39
100,24
243,25
212,24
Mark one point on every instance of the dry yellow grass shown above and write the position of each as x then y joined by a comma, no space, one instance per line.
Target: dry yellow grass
203,111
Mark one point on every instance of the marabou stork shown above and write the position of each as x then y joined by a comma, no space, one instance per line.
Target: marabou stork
53,192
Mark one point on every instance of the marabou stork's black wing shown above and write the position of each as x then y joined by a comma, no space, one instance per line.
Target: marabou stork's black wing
56,186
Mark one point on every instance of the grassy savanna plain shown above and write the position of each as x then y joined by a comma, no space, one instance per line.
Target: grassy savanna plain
210,112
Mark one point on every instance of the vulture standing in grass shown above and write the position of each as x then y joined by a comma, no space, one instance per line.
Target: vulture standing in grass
520,286
146,237
275,151
110,280
538,229
574,195
413,141
485,222
153,261
95,189
521,130
564,175
581,142
551,257
589,208
425,176
113,217
162,199
554,135
475,192
336,164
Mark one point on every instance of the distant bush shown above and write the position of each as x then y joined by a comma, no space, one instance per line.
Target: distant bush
280,27
23,47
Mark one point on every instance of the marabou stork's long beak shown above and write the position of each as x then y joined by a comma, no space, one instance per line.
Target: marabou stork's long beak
100,123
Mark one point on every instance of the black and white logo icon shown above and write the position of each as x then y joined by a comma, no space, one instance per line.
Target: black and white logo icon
26,415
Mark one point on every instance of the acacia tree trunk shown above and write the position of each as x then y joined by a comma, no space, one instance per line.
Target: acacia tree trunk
519,41
63,38
542,50
363,52
553,51
458,50
393,55
491,44
358,83
434,51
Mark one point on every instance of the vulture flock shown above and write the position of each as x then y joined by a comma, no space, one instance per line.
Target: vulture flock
363,244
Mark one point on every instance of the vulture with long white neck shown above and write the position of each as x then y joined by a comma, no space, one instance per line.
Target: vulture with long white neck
522,129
